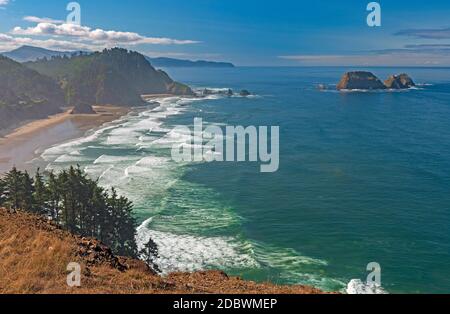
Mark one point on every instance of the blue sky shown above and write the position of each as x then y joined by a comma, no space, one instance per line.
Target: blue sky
246,32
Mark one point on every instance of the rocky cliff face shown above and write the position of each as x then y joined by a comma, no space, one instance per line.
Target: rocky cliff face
402,81
360,80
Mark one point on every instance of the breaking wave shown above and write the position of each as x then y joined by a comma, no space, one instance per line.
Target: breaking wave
193,228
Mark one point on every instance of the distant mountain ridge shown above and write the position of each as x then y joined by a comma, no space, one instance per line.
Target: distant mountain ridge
163,62
30,53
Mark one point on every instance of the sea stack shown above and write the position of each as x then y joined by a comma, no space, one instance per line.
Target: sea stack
245,93
83,108
402,81
360,80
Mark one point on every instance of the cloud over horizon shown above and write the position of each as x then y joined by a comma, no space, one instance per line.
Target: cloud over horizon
60,35
8,42
35,19
393,57
436,33
97,36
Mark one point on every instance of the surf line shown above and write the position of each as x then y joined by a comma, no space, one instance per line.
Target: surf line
235,144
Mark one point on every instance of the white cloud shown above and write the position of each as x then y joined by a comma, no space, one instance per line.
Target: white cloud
59,35
35,19
4,2
8,43
96,36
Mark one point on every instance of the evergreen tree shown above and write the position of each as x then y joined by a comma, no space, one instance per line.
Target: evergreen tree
54,196
77,203
41,195
13,189
2,192
98,213
149,254
64,189
27,190
126,228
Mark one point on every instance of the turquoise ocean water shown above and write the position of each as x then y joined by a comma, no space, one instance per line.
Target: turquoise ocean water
364,177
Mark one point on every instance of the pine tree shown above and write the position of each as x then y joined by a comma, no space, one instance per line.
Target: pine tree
83,192
149,254
126,228
26,202
122,225
98,214
77,203
2,192
63,186
13,189
73,190
54,196
41,195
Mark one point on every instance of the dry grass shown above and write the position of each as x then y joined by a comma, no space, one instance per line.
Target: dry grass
34,256
32,260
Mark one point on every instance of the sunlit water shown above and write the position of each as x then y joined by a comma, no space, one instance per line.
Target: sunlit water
364,177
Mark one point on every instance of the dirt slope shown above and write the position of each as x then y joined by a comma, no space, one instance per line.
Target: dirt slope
34,255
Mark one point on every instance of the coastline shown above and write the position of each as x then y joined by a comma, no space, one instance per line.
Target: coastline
20,146
44,133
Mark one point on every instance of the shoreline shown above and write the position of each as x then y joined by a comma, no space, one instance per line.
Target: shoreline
21,145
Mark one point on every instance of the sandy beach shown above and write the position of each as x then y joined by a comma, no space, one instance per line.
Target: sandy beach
25,143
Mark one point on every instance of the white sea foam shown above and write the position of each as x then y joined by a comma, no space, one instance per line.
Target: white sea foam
192,253
68,158
152,162
148,168
147,179
107,159
356,286
52,153
389,90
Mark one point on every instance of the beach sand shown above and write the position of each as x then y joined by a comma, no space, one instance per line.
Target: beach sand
25,143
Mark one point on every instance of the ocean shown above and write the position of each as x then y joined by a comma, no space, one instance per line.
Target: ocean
364,177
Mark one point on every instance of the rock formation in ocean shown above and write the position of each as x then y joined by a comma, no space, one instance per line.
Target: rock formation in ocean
244,93
402,81
368,81
83,108
360,80
222,92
